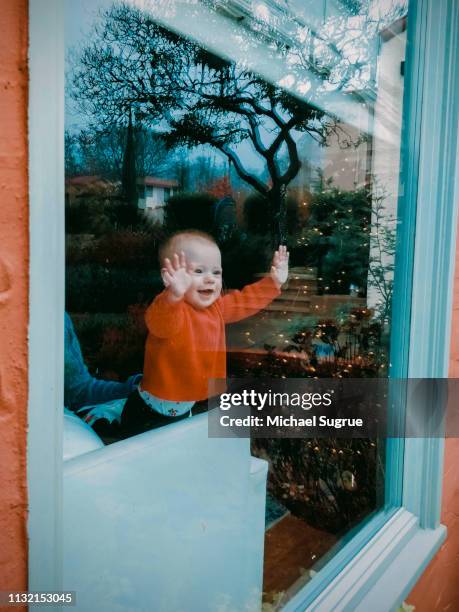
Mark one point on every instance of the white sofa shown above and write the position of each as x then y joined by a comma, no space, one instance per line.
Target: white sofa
169,520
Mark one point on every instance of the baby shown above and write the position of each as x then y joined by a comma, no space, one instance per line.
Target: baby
186,328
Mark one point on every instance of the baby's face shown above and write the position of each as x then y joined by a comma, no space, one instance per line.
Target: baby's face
205,266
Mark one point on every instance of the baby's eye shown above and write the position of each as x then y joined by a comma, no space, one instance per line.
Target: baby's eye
217,272
197,270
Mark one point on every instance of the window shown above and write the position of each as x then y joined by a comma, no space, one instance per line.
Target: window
385,537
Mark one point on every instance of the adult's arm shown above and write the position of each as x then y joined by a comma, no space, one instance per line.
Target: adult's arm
82,389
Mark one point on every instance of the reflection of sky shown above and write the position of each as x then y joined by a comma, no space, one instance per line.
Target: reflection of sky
79,17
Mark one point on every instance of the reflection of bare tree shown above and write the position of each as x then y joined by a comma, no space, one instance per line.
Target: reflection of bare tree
339,47
193,98
101,151
332,52
330,45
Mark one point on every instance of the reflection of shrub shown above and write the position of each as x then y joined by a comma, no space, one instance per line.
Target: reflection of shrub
113,345
243,257
77,219
90,328
336,239
331,483
275,365
96,288
78,248
128,249
257,216
98,216
122,346
89,215
124,216
190,210
350,345
125,248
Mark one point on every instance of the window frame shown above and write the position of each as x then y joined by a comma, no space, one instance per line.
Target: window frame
46,294
385,558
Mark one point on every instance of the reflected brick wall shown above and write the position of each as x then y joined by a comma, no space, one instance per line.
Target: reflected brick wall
14,285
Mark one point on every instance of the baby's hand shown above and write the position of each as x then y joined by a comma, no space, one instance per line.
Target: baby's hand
279,268
175,276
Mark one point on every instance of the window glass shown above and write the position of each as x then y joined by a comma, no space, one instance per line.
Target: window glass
261,123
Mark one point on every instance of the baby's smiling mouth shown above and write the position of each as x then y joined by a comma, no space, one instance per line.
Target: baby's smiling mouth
206,291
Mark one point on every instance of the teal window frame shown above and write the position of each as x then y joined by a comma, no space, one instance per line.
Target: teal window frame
381,561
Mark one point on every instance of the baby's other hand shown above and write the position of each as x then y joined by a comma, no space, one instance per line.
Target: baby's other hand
279,268
176,277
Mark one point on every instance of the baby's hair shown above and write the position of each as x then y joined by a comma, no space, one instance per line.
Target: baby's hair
165,249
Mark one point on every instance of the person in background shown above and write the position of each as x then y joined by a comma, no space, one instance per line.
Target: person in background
98,402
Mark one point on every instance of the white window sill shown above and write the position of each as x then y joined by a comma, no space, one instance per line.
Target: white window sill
382,574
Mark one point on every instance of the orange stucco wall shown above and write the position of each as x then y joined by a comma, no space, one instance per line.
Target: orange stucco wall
13,293
438,588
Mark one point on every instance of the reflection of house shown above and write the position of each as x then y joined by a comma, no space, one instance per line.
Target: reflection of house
385,161
375,161
347,156
153,194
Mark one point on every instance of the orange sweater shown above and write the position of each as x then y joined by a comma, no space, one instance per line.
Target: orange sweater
186,346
